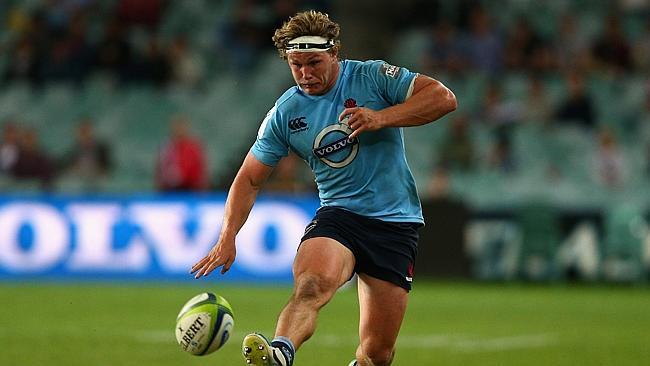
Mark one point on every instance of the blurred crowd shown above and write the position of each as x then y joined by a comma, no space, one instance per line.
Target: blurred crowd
68,40
581,53
72,40
181,163
22,157
476,41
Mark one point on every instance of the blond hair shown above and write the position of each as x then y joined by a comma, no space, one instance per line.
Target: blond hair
307,23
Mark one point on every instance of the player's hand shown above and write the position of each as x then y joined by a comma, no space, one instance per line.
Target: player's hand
361,119
221,255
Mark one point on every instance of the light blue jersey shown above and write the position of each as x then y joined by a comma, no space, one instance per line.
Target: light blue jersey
368,175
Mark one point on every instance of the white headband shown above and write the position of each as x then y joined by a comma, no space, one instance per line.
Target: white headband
309,44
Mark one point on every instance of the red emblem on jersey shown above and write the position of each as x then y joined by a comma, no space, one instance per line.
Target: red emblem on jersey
350,103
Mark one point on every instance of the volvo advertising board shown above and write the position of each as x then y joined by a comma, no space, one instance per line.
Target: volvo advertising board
144,237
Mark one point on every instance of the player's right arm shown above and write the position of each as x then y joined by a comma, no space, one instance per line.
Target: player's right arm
269,147
243,191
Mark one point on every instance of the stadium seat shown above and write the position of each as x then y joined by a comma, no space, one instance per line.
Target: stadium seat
24,187
409,49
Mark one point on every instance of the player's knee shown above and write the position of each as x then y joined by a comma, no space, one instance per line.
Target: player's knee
314,288
376,354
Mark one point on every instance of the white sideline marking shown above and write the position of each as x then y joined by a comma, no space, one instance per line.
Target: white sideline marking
455,342
506,343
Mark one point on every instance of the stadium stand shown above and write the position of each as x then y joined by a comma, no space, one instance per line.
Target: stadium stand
552,159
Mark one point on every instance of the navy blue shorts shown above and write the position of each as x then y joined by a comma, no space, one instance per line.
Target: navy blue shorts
382,249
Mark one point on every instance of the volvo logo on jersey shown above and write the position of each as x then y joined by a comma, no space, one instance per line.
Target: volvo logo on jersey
334,147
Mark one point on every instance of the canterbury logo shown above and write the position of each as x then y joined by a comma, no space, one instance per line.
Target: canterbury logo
296,124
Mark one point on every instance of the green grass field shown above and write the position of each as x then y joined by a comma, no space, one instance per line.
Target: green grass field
447,324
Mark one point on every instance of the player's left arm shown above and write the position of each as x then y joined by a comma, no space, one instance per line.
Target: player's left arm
429,101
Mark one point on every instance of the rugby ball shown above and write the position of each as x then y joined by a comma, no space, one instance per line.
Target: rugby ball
204,324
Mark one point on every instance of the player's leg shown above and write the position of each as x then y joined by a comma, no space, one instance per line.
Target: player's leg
321,266
382,306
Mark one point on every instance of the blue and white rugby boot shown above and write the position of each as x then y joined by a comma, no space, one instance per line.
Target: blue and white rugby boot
257,351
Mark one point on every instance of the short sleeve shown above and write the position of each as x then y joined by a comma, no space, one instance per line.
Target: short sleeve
395,83
270,145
